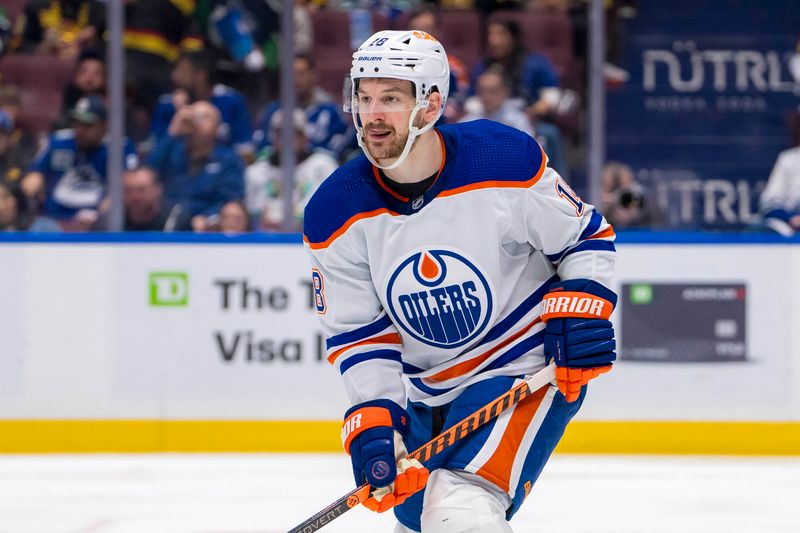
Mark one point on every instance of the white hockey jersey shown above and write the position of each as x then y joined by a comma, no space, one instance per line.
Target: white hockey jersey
783,188
421,297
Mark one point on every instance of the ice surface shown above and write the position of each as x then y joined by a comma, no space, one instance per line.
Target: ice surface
269,493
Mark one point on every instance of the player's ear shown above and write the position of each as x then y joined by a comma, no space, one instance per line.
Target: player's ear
434,105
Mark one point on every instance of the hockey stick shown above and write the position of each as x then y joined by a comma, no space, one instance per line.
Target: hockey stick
436,445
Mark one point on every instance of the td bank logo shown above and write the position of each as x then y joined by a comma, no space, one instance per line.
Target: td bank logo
169,289
641,294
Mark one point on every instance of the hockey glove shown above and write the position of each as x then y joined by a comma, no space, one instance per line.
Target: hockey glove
373,434
578,334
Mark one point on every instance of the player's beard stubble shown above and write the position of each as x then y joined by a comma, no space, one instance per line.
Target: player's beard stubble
394,145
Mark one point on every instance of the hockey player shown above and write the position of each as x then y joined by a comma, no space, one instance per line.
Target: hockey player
780,199
448,263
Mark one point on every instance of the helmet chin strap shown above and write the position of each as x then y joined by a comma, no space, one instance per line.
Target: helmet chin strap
413,133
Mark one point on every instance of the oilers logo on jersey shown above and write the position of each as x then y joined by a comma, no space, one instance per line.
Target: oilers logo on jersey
439,297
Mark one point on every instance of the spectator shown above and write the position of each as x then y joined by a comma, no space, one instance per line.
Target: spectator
534,83
493,102
60,27
24,142
16,216
494,89
780,199
265,179
193,77
533,77
88,79
13,160
69,177
326,128
246,34
428,18
156,31
199,173
246,27
233,218
626,204
144,207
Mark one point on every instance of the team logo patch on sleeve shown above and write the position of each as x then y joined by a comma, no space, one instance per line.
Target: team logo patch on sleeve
439,297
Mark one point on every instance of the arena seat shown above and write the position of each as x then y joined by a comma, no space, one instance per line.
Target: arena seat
332,53
462,35
14,7
41,81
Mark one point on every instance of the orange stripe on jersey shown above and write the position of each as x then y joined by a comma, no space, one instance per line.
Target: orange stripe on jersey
498,468
389,338
497,184
350,221
379,179
608,232
471,364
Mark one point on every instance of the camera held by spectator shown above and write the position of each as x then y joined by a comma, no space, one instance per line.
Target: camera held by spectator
625,202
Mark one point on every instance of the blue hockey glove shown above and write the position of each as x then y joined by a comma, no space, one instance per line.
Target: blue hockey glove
373,434
578,334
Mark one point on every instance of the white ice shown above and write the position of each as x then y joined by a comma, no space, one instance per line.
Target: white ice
269,493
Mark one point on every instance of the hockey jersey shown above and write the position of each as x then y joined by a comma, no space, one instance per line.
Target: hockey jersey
421,297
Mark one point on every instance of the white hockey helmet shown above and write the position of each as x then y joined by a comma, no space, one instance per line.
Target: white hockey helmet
410,55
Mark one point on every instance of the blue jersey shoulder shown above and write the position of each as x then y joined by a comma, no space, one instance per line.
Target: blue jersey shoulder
484,150
64,139
348,192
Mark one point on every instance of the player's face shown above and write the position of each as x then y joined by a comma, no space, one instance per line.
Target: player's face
232,218
384,107
89,135
499,41
304,78
141,192
91,76
183,75
491,91
206,121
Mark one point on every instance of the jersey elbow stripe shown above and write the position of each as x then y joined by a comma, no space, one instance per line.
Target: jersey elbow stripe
385,354
592,243
595,221
588,246
604,234
389,338
358,334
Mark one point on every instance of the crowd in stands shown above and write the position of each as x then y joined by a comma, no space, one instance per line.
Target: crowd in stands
202,114
203,121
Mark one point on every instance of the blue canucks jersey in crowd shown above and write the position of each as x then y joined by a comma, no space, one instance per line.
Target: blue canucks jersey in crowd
74,179
235,128
201,189
325,127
